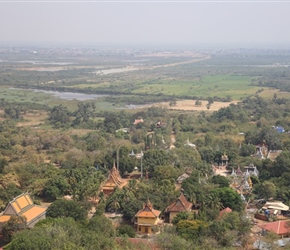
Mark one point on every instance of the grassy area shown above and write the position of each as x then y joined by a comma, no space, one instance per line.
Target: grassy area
208,86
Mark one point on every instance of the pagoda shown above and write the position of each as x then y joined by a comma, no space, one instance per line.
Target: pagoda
180,205
147,218
114,180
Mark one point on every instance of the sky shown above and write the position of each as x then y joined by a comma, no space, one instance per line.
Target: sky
137,23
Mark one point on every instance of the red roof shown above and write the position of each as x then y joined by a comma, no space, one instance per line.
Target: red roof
181,204
225,210
280,227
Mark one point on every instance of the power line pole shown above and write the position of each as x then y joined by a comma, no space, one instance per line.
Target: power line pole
141,165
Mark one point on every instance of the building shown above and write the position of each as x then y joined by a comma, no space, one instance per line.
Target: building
23,206
180,205
280,227
147,218
114,180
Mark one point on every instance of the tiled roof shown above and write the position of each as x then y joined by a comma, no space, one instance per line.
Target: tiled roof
33,212
22,205
181,204
279,227
148,211
4,218
114,180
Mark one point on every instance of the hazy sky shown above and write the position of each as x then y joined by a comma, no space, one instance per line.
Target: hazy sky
140,23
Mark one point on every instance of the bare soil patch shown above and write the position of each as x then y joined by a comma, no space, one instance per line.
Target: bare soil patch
189,105
33,118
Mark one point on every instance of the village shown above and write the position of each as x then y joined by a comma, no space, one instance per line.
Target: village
264,215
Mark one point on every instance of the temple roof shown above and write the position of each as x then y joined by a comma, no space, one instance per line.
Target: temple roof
181,204
148,211
22,205
114,179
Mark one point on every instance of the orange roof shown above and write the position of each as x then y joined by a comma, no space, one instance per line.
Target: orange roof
16,207
4,218
148,214
22,205
113,180
278,227
33,212
181,204
148,211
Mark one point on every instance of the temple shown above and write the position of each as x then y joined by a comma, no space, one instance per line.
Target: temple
114,180
147,218
181,204
23,206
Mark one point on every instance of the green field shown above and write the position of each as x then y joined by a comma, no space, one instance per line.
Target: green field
158,79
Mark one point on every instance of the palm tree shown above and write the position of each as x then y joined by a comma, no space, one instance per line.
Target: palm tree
213,202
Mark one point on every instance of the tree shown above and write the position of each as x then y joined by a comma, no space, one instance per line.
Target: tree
9,228
184,215
59,115
56,188
222,181
207,154
229,198
13,112
198,103
247,150
101,225
190,229
63,233
266,190
155,157
3,163
66,208
84,112
126,230
171,241
131,208
172,103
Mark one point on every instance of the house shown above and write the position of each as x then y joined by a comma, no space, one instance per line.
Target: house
280,227
23,206
114,180
180,205
147,218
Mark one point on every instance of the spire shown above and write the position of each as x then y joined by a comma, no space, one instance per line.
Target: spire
114,166
149,204
233,172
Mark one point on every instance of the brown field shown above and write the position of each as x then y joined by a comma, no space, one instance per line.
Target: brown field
269,93
33,118
189,105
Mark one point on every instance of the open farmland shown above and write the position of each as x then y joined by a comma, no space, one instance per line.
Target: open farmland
140,77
